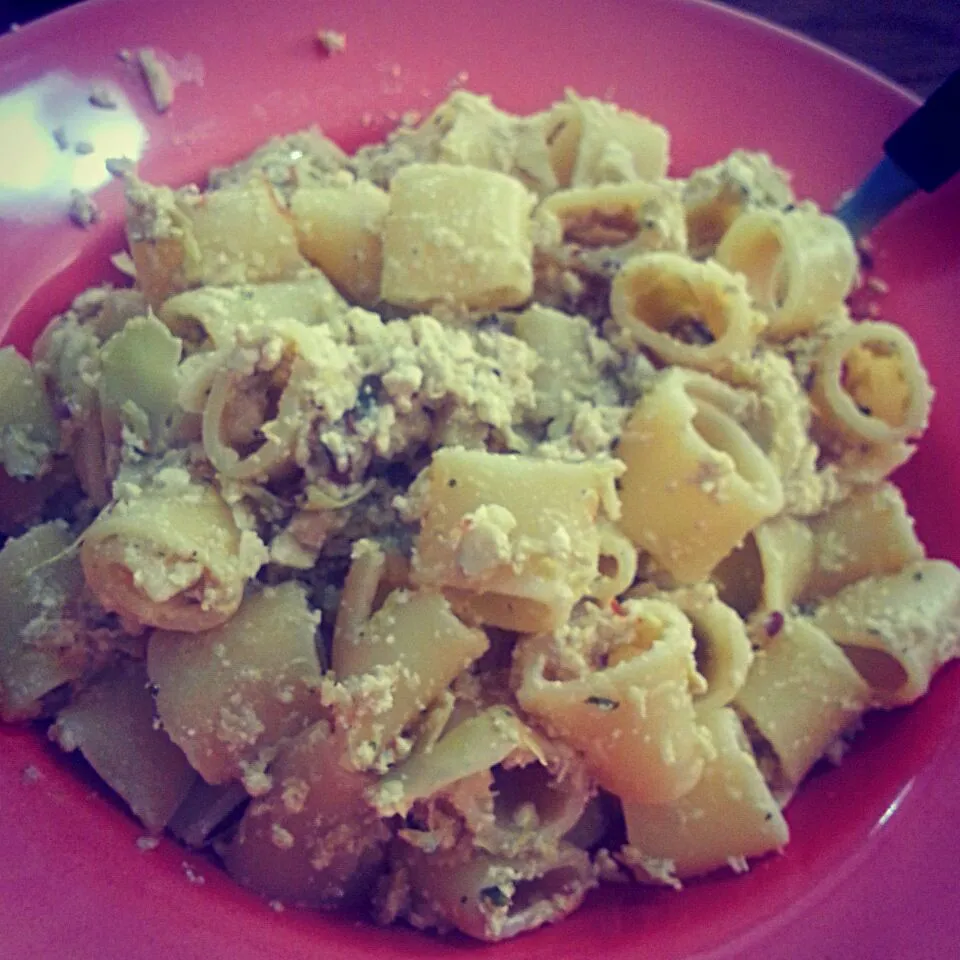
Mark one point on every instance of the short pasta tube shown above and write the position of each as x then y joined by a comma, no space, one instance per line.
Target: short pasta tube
868,534
729,814
694,314
801,694
513,541
457,235
211,316
228,696
111,723
494,898
592,142
340,230
184,239
599,228
897,630
396,664
695,483
799,265
29,435
312,840
870,385
170,555
40,649
619,687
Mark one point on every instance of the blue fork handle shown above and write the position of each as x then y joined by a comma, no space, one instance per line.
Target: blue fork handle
923,153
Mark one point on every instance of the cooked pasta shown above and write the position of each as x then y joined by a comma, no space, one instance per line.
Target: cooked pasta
451,527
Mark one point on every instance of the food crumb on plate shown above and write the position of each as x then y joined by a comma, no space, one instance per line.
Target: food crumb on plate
195,878
157,78
332,41
145,844
101,97
30,774
276,906
118,166
83,211
83,148
60,138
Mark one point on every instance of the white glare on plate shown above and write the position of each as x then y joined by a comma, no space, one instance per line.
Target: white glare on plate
37,172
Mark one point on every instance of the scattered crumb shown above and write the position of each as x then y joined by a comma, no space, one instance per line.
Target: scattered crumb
118,166
877,285
30,774
125,55
459,80
392,116
82,148
158,79
146,844
83,211
195,878
14,27
101,97
123,262
276,906
411,118
60,138
332,41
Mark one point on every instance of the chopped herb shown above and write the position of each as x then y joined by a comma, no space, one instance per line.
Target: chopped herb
691,330
463,899
917,577
807,608
866,411
495,895
603,703
768,816
451,482
367,396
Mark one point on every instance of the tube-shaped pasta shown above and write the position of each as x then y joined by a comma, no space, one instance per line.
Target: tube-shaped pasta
513,541
722,653
800,265
185,239
213,314
695,482
255,412
600,228
694,314
340,230
205,810
871,386
617,565
170,555
801,694
139,378
728,815
769,570
39,646
111,723
494,898
593,142
866,535
229,695
395,665
313,839
457,234
619,688
897,630
29,435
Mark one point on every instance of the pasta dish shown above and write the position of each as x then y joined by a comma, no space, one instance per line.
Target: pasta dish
458,525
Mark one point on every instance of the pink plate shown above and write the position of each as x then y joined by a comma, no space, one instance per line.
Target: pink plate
873,865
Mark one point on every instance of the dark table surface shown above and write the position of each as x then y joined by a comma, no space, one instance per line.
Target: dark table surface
916,44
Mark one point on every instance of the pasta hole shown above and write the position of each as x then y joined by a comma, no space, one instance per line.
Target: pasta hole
526,798
708,222
600,227
253,403
739,578
561,881
879,669
874,378
761,258
674,306
729,441
608,567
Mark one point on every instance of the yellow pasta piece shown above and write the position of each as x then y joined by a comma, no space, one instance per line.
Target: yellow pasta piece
312,840
340,230
228,696
695,482
170,555
695,314
799,265
729,814
801,694
513,541
397,663
457,235
897,630
185,239
627,704
29,435
111,723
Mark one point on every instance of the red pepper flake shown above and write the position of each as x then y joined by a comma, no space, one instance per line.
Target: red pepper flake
774,623
617,607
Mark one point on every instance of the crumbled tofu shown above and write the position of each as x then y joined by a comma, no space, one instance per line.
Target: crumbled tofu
83,210
159,83
332,41
102,97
